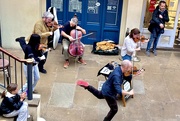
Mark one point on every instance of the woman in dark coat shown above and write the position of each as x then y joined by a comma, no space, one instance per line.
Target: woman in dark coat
32,50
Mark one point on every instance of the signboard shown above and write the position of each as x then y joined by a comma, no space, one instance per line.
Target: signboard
152,2
126,87
152,5
151,8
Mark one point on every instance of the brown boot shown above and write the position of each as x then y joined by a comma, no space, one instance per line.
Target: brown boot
81,61
66,64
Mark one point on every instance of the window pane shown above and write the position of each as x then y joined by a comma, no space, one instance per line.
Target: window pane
58,4
75,6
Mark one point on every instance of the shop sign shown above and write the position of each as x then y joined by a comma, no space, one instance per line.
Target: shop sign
151,8
152,2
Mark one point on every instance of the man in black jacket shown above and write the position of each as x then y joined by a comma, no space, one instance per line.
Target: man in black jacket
157,24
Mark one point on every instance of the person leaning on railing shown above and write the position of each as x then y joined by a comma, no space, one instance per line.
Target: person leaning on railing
32,50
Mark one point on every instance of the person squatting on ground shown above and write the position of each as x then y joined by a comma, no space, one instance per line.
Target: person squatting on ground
131,44
157,24
45,28
67,39
13,104
111,88
32,50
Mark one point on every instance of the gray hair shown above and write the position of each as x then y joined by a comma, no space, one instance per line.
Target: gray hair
74,20
48,15
126,63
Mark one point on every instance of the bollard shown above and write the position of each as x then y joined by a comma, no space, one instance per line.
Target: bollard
29,78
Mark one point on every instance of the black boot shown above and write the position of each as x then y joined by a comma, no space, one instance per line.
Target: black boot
19,39
22,43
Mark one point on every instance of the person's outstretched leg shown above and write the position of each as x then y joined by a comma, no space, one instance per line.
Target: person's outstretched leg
22,42
90,88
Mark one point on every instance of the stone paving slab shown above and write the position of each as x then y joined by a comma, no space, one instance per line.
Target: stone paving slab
138,87
62,95
156,90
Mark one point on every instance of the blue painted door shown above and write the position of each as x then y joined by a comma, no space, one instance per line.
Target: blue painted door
102,17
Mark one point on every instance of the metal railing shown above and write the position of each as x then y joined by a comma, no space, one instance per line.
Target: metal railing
12,68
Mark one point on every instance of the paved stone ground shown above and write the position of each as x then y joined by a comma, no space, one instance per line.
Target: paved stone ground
156,90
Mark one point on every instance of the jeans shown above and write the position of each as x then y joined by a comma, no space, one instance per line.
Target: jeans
35,78
110,101
127,57
154,37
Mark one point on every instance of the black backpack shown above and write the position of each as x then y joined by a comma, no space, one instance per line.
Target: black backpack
107,69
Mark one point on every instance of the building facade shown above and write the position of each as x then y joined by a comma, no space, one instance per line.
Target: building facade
107,19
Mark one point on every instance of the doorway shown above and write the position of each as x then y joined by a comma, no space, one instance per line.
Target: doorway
102,17
171,33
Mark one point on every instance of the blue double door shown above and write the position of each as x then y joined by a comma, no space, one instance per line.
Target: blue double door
101,17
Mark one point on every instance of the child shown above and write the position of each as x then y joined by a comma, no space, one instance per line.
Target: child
13,105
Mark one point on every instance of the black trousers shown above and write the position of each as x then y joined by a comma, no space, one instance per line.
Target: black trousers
50,45
42,62
22,43
110,101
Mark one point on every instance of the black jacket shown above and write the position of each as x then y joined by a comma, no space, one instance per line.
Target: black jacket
155,21
10,103
31,50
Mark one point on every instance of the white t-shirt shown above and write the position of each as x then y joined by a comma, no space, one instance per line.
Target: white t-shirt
129,46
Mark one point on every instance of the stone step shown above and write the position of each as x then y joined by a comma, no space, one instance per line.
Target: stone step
6,119
13,119
34,109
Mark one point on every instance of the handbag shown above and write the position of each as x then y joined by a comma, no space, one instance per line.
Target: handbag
150,27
